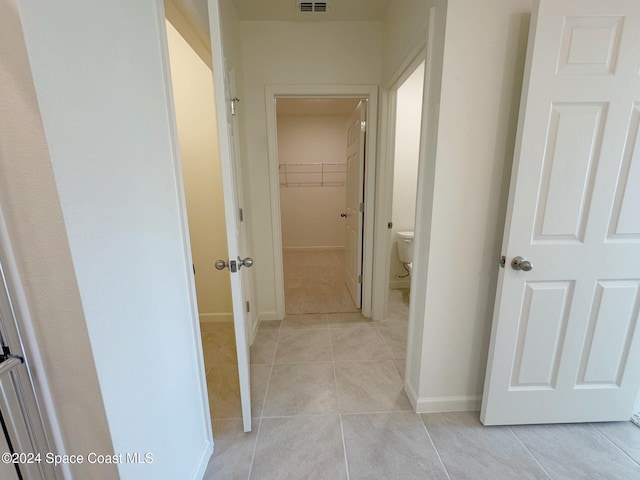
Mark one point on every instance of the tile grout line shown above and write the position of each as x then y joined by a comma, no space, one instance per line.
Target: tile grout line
535,459
335,384
384,342
255,446
273,359
444,467
336,413
344,444
614,443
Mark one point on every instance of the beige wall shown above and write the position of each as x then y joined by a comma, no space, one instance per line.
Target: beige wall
304,53
310,215
197,136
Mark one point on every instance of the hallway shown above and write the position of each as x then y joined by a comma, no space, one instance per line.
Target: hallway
328,403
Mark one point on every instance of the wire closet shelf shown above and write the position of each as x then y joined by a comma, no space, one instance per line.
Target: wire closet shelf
312,174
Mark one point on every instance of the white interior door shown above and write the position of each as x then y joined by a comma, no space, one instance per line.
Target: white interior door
232,220
356,128
565,344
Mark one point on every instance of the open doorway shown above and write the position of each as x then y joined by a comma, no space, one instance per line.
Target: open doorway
313,140
193,97
408,95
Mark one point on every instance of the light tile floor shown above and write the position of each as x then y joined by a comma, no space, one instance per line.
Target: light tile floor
314,282
328,403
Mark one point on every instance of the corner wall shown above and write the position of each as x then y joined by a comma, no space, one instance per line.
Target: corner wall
51,318
484,53
101,75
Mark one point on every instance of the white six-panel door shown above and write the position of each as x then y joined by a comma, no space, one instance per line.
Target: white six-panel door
565,343
355,196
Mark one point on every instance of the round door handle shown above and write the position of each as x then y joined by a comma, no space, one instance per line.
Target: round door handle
220,264
521,263
343,215
247,262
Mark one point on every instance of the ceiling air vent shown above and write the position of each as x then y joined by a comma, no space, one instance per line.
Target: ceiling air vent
312,7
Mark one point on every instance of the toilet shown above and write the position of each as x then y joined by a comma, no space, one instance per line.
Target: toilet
405,249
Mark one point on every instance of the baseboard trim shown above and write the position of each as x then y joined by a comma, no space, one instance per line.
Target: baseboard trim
404,283
267,316
411,393
463,403
203,461
215,317
310,249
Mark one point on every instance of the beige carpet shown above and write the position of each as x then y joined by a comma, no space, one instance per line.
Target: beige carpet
314,282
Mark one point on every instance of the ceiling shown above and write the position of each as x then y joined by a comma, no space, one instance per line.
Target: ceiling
316,106
338,10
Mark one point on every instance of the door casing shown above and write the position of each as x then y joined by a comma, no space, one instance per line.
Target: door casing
369,92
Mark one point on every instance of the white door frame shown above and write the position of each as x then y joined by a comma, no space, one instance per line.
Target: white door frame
38,403
384,187
369,92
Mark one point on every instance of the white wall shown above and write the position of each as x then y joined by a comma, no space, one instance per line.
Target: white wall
404,28
198,139
101,76
485,47
53,327
310,214
306,53
405,171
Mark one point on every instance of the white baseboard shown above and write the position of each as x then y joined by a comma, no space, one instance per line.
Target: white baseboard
462,403
411,393
310,249
400,283
215,317
203,461
267,316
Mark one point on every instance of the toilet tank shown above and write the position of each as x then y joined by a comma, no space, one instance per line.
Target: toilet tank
405,246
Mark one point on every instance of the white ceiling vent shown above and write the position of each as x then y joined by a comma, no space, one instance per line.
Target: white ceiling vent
312,7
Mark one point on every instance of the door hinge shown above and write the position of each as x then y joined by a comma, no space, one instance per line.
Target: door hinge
359,278
248,306
363,126
389,225
241,215
234,109
361,208
503,261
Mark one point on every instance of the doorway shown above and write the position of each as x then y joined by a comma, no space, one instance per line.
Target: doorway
365,94
407,94
312,142
201,175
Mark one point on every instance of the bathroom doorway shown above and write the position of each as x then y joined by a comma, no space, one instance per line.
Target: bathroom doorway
407,94
312,144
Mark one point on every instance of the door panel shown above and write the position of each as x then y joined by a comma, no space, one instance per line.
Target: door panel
228,163
355,197
565,346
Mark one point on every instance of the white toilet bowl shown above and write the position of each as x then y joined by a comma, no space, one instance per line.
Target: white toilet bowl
405,248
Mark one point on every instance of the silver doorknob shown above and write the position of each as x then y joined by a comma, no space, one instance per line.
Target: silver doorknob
521,263
247,262
220,264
